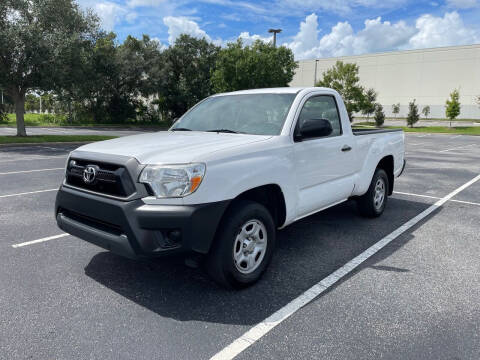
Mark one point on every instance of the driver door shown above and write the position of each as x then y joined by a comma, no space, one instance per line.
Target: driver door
325,169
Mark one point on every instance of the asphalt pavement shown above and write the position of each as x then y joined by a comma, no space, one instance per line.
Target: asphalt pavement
416,298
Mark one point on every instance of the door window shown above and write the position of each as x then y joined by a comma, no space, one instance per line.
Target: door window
322,107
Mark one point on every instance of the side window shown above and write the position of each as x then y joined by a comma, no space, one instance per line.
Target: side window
321,107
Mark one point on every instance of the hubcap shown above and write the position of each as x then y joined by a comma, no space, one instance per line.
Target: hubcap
250,246
379,196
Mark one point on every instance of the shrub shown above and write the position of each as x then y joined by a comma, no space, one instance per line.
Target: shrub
413,115
452,106
379,115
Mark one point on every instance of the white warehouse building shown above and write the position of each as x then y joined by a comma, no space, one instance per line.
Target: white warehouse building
427,75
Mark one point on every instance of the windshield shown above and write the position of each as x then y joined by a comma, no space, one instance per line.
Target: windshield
258,114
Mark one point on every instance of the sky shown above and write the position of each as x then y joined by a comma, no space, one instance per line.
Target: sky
311,28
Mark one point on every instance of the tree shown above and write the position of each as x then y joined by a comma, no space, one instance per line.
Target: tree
396,109
114,80
185,77
413,115
260,65
426,111
368,104
379,115
343,77
452,106
34,35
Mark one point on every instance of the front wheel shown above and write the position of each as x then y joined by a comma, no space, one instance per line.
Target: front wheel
243,246
373,202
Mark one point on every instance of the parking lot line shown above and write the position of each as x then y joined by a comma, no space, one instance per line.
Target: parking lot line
32,158
29,171
264,327
436,197
457,148
27,193
39,240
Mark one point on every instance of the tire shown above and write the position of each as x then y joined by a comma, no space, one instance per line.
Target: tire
246,227
372,203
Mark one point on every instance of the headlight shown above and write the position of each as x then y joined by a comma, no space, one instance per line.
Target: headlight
173,180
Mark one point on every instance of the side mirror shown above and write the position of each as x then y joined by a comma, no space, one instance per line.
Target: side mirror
313,128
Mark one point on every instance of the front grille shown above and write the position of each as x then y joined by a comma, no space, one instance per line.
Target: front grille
109,179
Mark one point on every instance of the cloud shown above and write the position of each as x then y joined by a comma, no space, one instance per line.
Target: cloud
249,39
110,14
338,6
463,4
442,31
378,35
178,25
144,3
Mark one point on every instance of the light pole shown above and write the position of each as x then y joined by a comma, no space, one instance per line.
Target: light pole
275,32
315,75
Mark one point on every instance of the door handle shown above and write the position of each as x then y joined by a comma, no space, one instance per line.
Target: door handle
346,148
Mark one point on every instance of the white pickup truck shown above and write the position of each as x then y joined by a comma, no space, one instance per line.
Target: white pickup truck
228,173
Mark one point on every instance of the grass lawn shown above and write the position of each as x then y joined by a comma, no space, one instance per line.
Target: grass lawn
458,130
51,120
52,138
429,119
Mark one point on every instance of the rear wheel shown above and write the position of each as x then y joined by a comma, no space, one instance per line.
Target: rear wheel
243,246
373,202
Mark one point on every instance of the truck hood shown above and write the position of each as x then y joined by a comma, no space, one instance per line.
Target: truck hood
171,147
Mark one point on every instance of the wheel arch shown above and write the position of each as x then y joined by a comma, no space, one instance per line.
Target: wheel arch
271,196
387,164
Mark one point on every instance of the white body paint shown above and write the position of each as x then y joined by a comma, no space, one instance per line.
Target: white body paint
313,175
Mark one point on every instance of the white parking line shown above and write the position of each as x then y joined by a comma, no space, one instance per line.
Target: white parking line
436,197
27,193
458,148
39,240
29,171
261,329
32,158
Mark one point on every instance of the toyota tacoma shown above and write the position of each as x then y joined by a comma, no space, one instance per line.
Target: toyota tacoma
231,171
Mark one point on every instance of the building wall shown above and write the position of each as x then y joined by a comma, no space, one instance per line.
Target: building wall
427,75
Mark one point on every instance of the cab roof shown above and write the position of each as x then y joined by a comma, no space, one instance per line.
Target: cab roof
280,90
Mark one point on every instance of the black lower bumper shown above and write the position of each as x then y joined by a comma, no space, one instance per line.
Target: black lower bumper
135,229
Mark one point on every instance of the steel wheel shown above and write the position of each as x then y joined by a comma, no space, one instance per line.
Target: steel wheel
250,246
379,195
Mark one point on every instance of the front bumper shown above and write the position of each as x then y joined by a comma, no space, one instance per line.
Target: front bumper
134,229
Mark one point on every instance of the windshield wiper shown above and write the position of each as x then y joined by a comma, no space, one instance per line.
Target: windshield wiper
224,131
181,129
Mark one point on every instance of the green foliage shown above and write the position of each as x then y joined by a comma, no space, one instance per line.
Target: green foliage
413,115
343,77
3,114
396,109
379,115
426,111
185,77
36,37
368,105
260,65
452,106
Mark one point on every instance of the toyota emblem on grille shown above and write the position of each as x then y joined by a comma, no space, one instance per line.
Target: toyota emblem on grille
89,174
